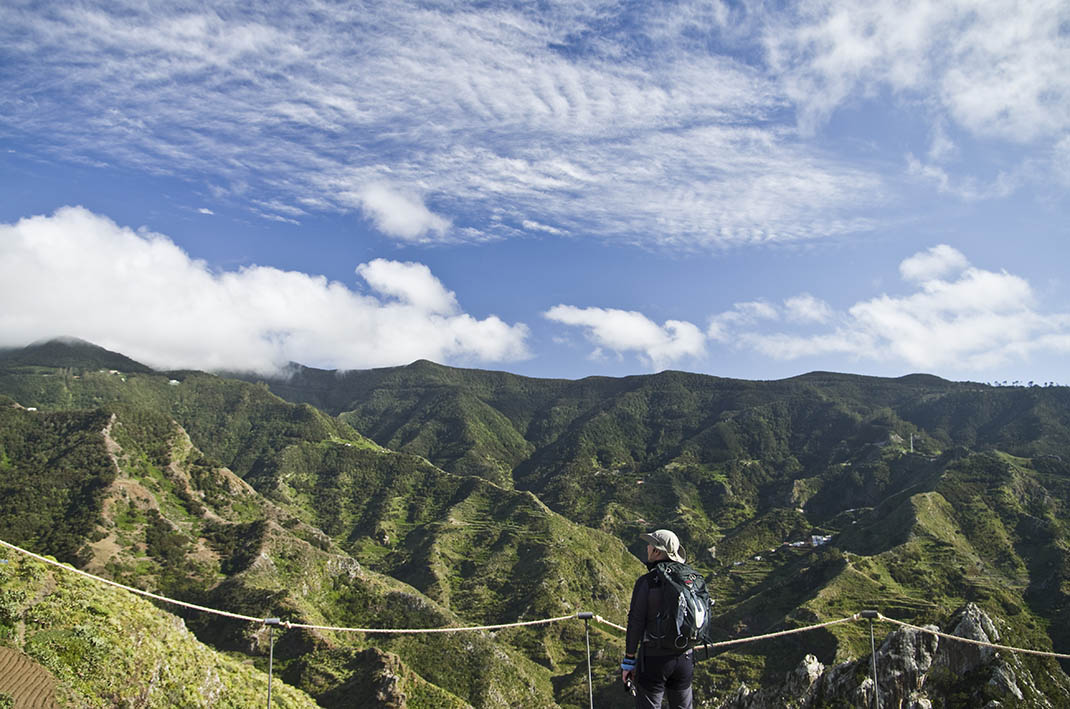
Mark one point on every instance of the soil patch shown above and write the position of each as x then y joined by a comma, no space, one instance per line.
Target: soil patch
28,683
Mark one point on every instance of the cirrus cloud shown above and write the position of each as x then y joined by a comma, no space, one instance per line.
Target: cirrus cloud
449,123
77,273
996,68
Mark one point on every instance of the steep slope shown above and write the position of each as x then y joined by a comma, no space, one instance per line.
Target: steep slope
917,669
168,518
739,468
934,494
169,521
983,528
106,647
69,352
53,473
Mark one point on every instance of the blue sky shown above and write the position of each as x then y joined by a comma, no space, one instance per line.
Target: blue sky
750,190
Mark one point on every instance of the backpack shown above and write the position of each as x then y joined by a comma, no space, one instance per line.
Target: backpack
684,618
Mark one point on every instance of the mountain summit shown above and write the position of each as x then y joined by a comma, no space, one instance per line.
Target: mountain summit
70,352
426,495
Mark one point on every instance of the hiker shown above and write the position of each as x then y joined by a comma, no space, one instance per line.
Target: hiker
657,668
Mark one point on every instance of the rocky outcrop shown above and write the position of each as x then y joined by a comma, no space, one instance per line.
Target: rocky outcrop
918,670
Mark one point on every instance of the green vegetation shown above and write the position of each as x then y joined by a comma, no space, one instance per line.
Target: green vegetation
483,497
55,470
106,647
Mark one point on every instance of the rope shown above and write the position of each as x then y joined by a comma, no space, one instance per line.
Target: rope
756,638
517,624
337,629
982,643
603,621
287,624
131,589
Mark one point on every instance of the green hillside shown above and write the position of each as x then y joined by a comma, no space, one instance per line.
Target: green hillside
171,518
714,452
430,496
69,352
105,647
739,468
171,522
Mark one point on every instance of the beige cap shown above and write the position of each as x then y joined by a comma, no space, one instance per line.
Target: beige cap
666,541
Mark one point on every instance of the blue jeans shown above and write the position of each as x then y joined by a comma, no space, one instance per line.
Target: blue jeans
665,676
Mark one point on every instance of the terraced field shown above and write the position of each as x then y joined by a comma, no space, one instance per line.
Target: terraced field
28,683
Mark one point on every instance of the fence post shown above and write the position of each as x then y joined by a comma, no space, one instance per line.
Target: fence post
870,615
271,623
586,616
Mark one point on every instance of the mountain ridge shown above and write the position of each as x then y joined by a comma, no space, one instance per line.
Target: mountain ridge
492,497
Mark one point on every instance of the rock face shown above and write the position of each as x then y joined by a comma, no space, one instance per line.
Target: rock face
918,670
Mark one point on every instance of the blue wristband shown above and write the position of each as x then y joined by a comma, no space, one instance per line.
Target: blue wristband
627,664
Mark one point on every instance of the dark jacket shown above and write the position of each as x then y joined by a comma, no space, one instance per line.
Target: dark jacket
642,617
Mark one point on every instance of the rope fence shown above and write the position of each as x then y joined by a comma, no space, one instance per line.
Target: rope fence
778,634
586,616
447,629
1008,648
131,589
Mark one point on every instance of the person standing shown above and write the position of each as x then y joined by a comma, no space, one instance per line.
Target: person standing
652,661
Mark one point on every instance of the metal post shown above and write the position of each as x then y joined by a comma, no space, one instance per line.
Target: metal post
271,623
870,615
586,616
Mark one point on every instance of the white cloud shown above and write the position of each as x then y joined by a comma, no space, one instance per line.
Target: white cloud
967,188
411,283
205,210
806,308
77,273
741,314
629,331
402,215
532,225
958,317
671,129
1060,158
977,320
996,68
941,147
756,310
474,111
931,264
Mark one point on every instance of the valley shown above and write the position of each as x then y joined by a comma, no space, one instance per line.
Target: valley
424,496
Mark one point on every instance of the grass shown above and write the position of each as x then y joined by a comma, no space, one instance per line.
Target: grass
742,465
107,647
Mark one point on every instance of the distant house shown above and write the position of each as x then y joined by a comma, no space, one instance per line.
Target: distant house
818,540
174,382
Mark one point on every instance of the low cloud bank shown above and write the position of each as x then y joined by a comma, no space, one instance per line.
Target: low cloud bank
953,317
957,317
78,273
